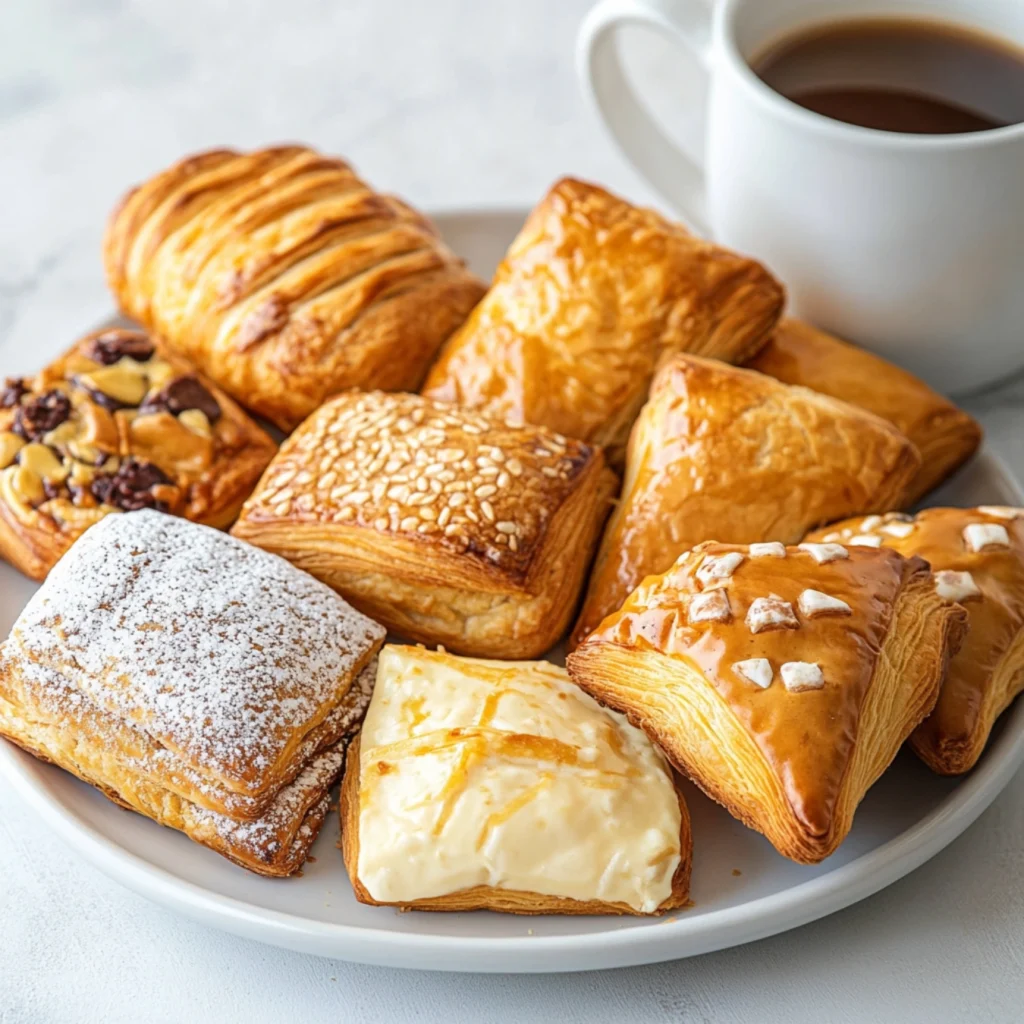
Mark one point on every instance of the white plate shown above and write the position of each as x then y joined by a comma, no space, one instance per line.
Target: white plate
742,890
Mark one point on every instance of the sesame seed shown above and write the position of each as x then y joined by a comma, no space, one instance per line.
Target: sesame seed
507,527
488,511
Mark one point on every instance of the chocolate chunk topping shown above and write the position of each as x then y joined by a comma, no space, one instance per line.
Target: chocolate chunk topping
13,391
180,395
41,415
108,348
130,488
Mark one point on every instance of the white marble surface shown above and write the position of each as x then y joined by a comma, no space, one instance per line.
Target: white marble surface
448,103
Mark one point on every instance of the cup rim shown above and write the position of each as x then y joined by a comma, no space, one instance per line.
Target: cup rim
843,131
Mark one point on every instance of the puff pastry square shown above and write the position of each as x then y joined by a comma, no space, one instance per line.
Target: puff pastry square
445,525
782,684
192,678
944,435
977,555
721,453
486,785
591,297
117,423
285,277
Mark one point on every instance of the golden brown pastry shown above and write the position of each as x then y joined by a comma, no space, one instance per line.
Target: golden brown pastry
781,680
945,435
193,679
488,785
977,555
285,278
591,297
721,453
117,423
447,526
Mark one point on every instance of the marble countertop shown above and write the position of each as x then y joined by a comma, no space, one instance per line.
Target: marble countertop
448,103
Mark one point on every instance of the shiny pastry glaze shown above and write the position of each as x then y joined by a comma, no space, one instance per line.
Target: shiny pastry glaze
506,774
806,736
995,620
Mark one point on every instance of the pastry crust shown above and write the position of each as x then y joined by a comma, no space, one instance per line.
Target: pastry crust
592,296
285,277
945,436
722,453
793,754
491,897
159,436
445,525
988,672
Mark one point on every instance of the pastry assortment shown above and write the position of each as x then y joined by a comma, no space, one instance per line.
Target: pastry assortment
622,420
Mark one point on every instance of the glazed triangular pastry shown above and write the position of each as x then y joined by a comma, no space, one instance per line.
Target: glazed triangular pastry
722,453
977,555
781,680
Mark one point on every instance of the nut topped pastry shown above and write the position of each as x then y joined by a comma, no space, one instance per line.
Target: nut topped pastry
117,424
787,709
592,296
447,526
501,786
286,278
722,453
977,555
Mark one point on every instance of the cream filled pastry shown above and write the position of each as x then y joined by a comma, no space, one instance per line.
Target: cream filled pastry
501,785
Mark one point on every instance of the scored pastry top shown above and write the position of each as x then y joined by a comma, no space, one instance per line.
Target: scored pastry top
221,652
478,772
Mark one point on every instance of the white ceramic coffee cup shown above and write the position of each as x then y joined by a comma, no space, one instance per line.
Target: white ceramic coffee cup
912,245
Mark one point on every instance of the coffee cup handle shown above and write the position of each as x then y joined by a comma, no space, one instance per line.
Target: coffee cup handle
687,22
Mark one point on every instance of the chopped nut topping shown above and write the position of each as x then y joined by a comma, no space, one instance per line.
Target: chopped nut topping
982,536
43,462
710,606
27,487
814,603
798,676
772,549
10,445
196,421
719,567
120,386
956,586
824,553
865,540
772,612
755,670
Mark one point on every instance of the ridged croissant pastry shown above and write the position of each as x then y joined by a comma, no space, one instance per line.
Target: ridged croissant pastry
944,435
781,680
117,423
445,525
194,679
286,278
977,555
721,453
591,297
488,785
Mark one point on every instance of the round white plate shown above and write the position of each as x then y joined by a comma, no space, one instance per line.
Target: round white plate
742,890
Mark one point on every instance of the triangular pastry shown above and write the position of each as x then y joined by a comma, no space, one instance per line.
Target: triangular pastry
722,453
977,555
789,701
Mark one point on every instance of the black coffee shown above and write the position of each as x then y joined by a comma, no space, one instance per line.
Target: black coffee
896,75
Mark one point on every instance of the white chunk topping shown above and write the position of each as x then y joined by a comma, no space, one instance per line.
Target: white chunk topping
711,606
755,670
871,523
719,567
814,603
802,675
823,553
955,586
866,540
768,613
1001,511
979,536
897,529
831,538
773,549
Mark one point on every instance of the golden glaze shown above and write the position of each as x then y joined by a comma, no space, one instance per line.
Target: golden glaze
446,525
989,670
592,295
945,435
285,277
732,455
648,658
210,474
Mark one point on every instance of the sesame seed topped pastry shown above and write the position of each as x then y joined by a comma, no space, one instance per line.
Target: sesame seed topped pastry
977,555
945,436
722,453
115,424
488,785
286,278
445,525
193,678
592,296
782,680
